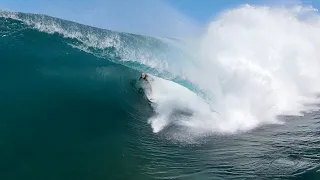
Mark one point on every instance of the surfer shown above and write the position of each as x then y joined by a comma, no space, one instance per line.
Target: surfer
146,85
144,76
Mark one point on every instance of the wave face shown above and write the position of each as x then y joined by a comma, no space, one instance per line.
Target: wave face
70,97
161,58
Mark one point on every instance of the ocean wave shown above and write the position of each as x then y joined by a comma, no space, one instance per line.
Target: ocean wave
253,64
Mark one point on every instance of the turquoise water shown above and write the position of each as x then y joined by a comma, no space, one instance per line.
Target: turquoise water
71,108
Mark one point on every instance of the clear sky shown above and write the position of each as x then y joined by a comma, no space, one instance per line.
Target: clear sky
149,17
204,10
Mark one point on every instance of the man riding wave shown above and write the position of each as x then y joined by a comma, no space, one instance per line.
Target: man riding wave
146,85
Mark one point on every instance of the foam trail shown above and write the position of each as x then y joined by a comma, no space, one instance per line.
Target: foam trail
173,103
255,63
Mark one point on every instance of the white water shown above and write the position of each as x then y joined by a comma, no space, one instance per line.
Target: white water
255,63
173,103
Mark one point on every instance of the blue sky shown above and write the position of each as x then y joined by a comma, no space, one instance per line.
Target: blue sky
204,10
149,17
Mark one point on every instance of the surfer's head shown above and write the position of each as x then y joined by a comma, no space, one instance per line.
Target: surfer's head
143,76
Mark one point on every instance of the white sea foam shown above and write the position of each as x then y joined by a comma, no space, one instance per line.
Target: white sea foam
255,63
